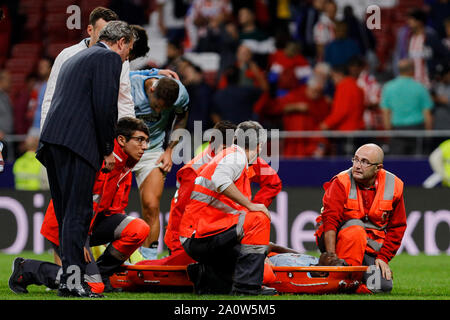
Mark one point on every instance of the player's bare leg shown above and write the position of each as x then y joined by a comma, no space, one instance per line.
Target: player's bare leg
150,191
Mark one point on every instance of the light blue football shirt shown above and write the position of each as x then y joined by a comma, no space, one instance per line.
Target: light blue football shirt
157,123
406,98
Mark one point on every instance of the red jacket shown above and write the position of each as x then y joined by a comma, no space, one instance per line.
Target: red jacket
336,210
348,107
260,172
110,194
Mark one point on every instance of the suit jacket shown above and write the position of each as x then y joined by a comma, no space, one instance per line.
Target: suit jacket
83,111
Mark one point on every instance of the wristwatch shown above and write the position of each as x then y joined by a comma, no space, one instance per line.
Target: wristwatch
1,146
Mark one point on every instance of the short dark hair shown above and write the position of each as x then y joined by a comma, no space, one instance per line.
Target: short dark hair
418,14
140,46
340,68
167,90
249,134
127,126
232,74
223,126
102,13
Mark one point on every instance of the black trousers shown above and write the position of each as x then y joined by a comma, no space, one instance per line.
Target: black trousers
71,180
46,273
225,267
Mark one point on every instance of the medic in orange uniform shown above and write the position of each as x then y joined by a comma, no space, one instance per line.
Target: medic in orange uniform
259,172
221,228
110,224
363,218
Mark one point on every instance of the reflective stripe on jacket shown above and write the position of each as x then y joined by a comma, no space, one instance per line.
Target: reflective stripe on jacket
389,191
210,212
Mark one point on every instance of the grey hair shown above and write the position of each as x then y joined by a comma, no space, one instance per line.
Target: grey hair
250,134
314,82
115,30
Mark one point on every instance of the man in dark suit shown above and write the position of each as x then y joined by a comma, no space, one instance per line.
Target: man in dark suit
77,136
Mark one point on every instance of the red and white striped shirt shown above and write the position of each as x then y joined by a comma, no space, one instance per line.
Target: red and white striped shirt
417,53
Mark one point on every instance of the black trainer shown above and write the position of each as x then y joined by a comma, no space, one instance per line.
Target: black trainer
16,282
84,291
194,274
263,291
109,287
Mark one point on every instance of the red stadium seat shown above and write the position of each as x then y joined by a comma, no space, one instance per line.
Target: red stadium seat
31,6
26,50
54,49
20,65
59,6
57,30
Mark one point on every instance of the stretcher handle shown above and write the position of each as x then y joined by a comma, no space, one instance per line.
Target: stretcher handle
154,268
321,268
274,268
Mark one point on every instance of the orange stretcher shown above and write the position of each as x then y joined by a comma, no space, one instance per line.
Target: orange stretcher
291,280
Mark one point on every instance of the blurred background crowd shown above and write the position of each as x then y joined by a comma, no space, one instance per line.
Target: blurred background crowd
301,66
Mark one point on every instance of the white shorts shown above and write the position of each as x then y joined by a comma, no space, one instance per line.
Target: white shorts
147,163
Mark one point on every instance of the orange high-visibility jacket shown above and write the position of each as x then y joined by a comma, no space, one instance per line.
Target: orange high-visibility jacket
376,221
110,194
209,212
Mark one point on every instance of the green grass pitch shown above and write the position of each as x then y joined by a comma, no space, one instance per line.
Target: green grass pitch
415,278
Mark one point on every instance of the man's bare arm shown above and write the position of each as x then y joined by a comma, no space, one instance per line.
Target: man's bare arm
330,241
179,122
234,194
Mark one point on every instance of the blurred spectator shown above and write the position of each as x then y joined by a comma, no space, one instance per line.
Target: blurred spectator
373,116
401,46
324,30
308,17
249,72
6,109
406,105
441,111
200,96
347,108
5,33
342,49
425,48
440,163
253,37
304,108
348,103
322,72
13,20
174,55
446,39
234,102
171,15
44,69
2,162
204,15
131,11
358,31
29,174
439,12
228,47
248,28
25,103
140,46
288,68
280,15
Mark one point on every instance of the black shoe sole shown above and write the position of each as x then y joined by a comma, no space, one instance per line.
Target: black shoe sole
66,293
15,269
